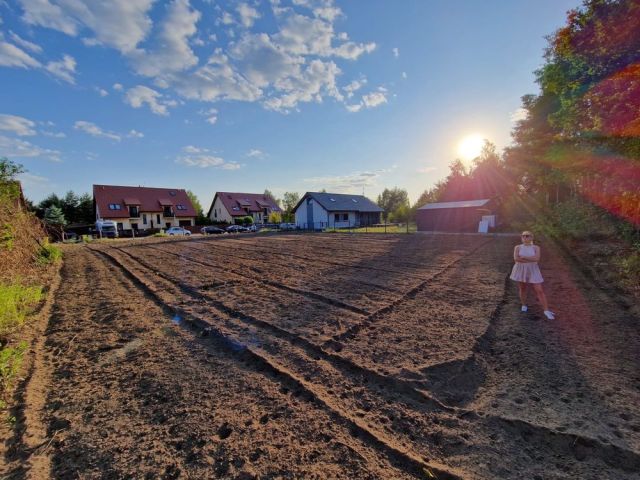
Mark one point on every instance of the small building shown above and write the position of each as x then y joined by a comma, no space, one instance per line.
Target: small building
318,210
142,208
227,207
461,216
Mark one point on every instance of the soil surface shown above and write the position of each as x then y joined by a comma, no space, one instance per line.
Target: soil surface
327,356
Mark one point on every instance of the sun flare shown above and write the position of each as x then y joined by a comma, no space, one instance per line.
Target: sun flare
470,146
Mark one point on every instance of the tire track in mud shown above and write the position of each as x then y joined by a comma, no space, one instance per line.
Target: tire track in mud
304,368
197,245
304,363
336,341
570,445
281,286
327,262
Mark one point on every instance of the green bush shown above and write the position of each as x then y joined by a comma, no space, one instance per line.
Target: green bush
160,234
16,301
48,254
630,267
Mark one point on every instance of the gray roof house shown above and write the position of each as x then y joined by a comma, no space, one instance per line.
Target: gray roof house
318,210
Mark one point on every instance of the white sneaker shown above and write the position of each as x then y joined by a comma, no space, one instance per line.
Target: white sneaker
524,308
549,314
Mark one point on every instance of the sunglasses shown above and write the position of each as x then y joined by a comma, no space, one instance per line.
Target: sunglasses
527,236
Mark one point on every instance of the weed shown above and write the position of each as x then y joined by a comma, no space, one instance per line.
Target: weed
48,254
16,301
10,361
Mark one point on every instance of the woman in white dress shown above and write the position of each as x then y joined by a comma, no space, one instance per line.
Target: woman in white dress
526,272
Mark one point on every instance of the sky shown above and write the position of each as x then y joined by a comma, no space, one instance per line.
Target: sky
285,95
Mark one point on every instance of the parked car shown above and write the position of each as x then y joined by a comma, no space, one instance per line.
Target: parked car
288,226
236,229
177,231
211,230
253,228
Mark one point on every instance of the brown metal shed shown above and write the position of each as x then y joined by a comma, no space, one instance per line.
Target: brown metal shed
461,216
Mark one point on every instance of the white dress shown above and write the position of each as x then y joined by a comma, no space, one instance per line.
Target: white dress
526,272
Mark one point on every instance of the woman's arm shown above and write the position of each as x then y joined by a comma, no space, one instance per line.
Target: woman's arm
516,256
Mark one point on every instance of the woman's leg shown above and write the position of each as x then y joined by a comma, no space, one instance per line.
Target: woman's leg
522,290
541,296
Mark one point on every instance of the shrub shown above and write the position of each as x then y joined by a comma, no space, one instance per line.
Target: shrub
48,254
160,234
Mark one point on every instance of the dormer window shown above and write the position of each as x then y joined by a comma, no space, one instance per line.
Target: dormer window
134,211
167,212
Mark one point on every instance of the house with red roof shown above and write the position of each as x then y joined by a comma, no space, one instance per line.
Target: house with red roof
227,207
141,208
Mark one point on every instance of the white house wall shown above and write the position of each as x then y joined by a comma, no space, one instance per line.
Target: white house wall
320,217
219,212
164,221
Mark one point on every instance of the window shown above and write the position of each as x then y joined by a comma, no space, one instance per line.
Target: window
168,212
337,217
215,213
181,207
115,206
345,217
134,226
134,212
144,218
120,226
158,218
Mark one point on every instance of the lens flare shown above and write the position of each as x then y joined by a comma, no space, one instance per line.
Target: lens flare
470,146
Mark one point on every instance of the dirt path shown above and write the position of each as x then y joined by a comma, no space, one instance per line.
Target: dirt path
169,361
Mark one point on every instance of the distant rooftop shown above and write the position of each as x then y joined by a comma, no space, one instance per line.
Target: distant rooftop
461,204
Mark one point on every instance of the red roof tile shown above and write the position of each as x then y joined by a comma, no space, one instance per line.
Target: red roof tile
255,202
148,198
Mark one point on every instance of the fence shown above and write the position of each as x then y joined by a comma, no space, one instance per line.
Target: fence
409,227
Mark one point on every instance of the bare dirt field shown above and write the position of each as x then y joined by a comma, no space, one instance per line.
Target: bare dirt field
327,356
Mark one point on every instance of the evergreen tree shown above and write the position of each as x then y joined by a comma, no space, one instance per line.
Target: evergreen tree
53,216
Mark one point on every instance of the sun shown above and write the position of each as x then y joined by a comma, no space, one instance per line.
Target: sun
470,146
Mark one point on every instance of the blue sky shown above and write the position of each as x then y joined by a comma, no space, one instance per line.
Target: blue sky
289,95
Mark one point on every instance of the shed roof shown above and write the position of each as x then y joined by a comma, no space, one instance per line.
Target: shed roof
460,204
149,199
342,202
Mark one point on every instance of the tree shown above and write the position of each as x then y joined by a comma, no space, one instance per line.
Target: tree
9,170
51,200
53,216
275,217
69,205
289,201
391,199
271,196
201,219
248,220
84,212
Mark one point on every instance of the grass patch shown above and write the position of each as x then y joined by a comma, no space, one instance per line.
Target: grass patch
16,301
160,234
10,361
388,229
48,254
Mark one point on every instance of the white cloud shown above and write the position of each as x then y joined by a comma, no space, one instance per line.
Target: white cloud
211,114
27,45
404,75
95,131
173,53
117,87
248,14
396,52
120,24
426,169
226,19
135,134
101,91
351,183
354,108
63,69
53,134
519,115
199,158
374,99
354,86
14,147
12,56
17,125
255,153
317,79
140,95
